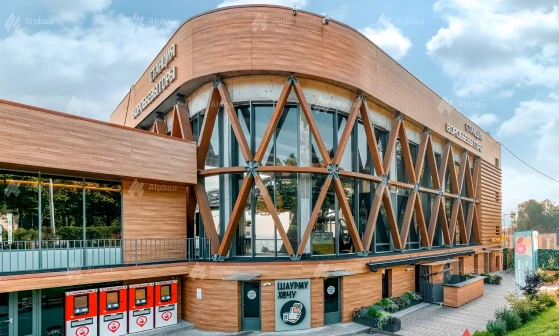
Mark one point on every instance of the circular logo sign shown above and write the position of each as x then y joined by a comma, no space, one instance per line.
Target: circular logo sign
166,316
82,331
113,326
330,290
141,321
251,294
293,312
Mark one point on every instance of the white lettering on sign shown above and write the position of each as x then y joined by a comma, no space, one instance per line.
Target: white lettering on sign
462,136
163,83
162,63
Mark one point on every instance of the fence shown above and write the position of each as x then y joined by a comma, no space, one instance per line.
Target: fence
29,256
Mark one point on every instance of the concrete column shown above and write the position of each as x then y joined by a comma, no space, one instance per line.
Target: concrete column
304,180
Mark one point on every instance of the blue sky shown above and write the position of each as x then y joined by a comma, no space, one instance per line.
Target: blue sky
496,61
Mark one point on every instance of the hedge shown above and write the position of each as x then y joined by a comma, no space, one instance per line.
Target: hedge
547,259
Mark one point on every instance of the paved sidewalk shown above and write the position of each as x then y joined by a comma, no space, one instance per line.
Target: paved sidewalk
435,320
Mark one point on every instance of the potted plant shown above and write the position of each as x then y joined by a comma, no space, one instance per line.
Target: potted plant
365,316
413,298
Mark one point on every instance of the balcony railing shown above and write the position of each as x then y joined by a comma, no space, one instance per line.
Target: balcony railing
74,255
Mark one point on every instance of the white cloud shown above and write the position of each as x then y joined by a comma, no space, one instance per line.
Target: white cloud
484,120
76,69
388,37
337,14
522,185
74,11
287,3
488,45
532,115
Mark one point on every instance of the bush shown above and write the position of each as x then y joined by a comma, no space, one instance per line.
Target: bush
497,327
509,317
413,296
388,305
482,333
372,312
382,319
524,307
546,299
533,282
400,302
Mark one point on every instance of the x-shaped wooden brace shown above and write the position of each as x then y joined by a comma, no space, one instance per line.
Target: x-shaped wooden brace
333,169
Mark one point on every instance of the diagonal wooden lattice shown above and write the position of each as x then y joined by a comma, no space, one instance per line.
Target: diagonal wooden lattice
465,217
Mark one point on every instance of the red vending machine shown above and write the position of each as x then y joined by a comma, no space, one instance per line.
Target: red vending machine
81,313
140,307
113,311
166,303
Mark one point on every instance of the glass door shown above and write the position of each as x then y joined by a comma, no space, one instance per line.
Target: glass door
19,313
250,304
6,321
332,300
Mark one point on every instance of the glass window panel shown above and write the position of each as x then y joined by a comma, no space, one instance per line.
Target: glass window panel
287,137
345,244
364,161
103,210
382,232
287,206
382,140
64,198
25,313
324,229
264,227
19,200
347,157
262,115
365,196
245,231
325,123
243,112
213,186
214,150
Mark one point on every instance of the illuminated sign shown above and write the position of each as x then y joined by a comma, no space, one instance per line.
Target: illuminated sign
498,239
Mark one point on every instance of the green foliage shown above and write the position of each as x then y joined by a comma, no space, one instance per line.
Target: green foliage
400,302
413,296
509,317
388,305
546,299
497,327
382,319
483,333
548,259
523,306
373,312
547,323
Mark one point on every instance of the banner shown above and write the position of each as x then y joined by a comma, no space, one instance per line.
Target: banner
525,255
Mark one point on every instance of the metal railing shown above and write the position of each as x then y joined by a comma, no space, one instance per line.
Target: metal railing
74,255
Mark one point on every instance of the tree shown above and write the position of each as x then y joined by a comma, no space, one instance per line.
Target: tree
539,216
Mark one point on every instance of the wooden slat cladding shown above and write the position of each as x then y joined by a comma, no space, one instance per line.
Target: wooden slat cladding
269,39
491,212
52,142
219,308
459,296
401,280
358,291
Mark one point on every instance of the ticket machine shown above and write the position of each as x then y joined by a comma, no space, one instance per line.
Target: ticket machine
81,313
140,307
113,311
166,303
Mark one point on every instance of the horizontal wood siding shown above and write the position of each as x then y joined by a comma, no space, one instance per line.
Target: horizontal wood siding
459,296
358,291
51,142
401,281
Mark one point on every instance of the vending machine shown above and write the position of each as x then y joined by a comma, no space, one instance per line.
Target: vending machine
166,303
81,312
140,307
113,311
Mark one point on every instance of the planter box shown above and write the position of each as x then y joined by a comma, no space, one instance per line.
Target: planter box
393,327
366,321
371,322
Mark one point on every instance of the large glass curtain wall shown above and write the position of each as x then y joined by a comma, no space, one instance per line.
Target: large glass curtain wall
294,194
64,209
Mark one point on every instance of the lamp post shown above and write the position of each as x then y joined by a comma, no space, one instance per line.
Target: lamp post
512,216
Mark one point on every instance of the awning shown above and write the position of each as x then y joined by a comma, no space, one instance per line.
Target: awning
243,277
376,265
441,262
339,273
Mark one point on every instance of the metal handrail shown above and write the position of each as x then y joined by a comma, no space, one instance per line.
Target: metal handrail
74,255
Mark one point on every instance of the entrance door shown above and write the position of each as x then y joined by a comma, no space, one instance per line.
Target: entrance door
18,313
386,273
332,300
250,306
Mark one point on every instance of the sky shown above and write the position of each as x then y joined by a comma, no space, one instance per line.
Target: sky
497,61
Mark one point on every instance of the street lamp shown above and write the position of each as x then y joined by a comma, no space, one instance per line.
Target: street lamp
512,216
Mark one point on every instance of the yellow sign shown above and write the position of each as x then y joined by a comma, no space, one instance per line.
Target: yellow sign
499,239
